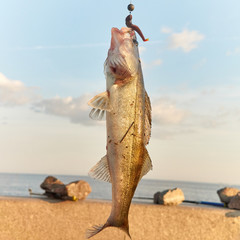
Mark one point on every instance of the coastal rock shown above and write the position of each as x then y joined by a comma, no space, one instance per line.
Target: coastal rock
51,182
170,197
235,202
79,189
54,188
227,193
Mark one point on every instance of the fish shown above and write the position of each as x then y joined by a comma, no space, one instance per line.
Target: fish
127,107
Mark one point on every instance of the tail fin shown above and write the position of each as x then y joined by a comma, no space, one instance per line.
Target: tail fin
98,228
94,230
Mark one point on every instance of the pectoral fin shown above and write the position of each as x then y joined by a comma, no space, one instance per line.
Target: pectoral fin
100,104
147,164
101,170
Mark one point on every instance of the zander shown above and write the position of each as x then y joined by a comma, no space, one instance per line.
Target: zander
128,121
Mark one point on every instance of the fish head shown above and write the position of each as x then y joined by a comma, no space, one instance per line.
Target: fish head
123,57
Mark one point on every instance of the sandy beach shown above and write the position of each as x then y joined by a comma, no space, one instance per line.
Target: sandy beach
33,218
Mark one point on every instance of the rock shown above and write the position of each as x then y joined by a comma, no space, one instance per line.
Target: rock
156,196
79,189
227,193
235,202
169,197
54,188
51,182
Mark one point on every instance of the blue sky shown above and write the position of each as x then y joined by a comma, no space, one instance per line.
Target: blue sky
51,64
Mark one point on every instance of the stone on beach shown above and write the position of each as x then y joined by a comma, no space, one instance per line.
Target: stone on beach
54,188
235,202
169,197
50,182
227,193
79,189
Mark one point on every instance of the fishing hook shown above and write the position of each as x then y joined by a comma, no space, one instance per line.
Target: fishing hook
132,26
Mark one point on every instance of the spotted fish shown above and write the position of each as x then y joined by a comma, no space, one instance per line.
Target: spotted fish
128,121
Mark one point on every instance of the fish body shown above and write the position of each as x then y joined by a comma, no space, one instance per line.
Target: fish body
128,121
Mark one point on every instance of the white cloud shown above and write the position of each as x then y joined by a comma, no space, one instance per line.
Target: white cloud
73,46
76,109
165,112
166,30
185,111
181,111
185,40
235,52
14,92
157,62
154,63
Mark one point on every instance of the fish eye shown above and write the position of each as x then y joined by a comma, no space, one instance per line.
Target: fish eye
135,42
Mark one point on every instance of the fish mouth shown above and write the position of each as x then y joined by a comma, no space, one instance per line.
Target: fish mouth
119,36
122,53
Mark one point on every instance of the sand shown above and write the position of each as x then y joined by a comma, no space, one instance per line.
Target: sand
35,219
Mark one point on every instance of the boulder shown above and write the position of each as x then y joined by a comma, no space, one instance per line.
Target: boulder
79,189
51,182
54,188
169,197
235,202
227,193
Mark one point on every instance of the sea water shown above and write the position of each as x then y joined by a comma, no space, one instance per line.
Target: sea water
18,185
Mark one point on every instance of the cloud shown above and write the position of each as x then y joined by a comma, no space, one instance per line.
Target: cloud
14,92
152,64
234,52
73,46
185,40
157,62
76,109
165,112
179,111
166,30
186,111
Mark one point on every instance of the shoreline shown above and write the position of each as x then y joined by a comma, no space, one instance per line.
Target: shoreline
44,218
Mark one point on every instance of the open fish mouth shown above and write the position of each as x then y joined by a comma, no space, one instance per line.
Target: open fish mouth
122,55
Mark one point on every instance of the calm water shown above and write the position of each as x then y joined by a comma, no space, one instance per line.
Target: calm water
18,185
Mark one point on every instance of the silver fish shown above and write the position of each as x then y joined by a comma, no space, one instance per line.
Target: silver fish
128,121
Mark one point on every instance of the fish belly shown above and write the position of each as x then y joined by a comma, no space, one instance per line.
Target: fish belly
125,148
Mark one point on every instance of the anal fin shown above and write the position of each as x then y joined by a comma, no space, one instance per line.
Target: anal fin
101,170
147,164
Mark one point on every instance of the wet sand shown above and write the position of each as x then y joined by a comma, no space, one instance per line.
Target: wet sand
35,219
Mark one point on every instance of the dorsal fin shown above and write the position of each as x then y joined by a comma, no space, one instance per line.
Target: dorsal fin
148,119
100,104
147,164
101,170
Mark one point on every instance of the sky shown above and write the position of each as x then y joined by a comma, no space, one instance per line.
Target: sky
51,63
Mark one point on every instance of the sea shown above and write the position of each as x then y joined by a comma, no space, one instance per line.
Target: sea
18,185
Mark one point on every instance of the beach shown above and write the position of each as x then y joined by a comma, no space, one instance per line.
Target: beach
42,218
